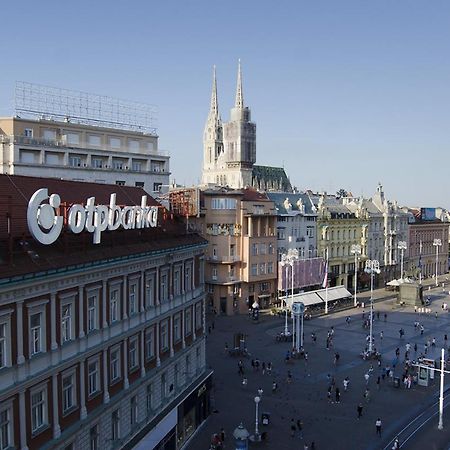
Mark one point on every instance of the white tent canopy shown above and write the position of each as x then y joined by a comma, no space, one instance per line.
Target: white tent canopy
318,297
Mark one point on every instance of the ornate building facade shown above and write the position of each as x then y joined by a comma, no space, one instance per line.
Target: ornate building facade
101,345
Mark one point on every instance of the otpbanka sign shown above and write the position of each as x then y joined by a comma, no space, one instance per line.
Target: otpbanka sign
46,226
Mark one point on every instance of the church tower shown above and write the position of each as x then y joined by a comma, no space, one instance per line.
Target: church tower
212,138
229,149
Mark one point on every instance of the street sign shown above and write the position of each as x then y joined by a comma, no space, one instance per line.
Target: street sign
298,308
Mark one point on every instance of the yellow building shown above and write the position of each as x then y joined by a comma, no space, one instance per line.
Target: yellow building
338,229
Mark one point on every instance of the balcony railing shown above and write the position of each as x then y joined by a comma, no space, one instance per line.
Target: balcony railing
82,145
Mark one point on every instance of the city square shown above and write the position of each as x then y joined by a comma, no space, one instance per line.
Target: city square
325,422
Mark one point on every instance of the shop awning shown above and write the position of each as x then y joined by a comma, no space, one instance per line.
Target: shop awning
334,293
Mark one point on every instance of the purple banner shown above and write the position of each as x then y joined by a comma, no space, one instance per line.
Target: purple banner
307,272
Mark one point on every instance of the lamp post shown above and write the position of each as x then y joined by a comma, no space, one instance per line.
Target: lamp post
288,259
356,250
257,400
402,247
437,243
372,267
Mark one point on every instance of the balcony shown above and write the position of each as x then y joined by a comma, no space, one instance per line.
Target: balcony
224,259
83,145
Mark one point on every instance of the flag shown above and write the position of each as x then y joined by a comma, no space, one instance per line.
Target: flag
420,256
325,278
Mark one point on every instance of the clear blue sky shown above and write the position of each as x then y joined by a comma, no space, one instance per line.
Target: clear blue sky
344,93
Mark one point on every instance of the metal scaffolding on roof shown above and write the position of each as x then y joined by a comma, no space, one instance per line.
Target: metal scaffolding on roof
40,102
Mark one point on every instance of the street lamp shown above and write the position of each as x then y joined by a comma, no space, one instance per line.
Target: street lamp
288,259
257,400
372,267
356,250
402,247
437,243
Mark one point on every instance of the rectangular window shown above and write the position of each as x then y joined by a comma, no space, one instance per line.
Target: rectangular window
270,267
115,425
72,138
149,399
254,269
223,203
254,249
188,322
157,187
132,300
36,333
149,344
93,377
52,158
114,305
74,161
177,328
164,335
132,354
271,249
92,313
68,393
94,443
66,322
149,291
198,316
28,157
137,166
164,288
49,135
97,163
5,429
94,139
214,273
133,411
264,287
262,249
114,365
27,132
262,268
3,346
139,184
188,278
176,282
38,410
115,142
120,182
133,145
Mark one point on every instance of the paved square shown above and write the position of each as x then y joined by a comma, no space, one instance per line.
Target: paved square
330,425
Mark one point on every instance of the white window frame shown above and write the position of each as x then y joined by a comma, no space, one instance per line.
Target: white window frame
134,411
68,332
164,286
92,312
41,388
118,374
72,374
115,425
198,316
8,423
133,350
114,299
93,376
177,327
94,436
5,338
38,307
187,322
133,298
164,335
150,343
149,290
28,132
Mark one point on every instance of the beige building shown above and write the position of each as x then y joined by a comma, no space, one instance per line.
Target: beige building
241,258
338,228
75,144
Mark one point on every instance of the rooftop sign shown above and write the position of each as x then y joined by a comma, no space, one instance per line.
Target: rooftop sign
46,226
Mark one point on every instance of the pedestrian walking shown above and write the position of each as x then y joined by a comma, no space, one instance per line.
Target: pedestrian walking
305,446
263,367
378,426
385,317
329,394
244,381
240,367
293,428
381,335
366,378
300,428
378,382
346,382
269,368
274,387
415,347
222,435
367,395
359,410
289,377
338,395
396,445
336,358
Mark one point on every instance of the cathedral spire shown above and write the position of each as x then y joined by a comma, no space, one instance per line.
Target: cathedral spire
239,102
214,110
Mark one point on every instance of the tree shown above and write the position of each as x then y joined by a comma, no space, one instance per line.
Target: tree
341,193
